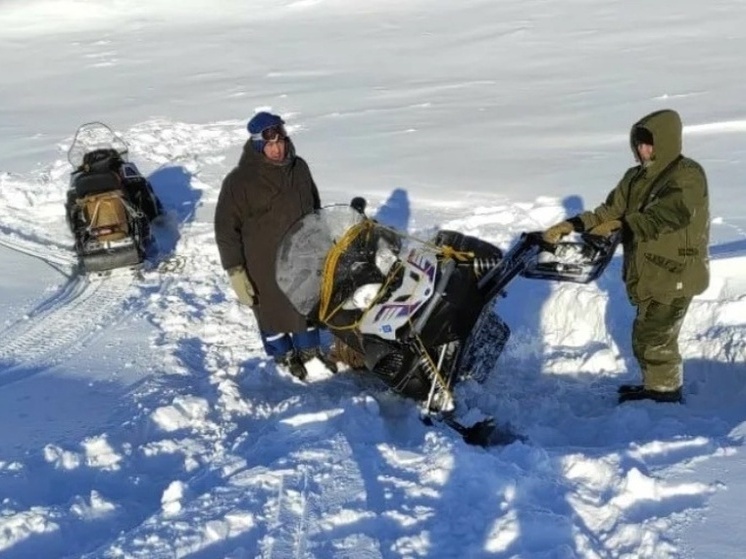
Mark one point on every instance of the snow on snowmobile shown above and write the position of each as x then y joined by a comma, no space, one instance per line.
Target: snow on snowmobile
110,205
420,315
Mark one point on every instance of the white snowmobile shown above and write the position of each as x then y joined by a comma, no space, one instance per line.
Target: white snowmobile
419,315
110,204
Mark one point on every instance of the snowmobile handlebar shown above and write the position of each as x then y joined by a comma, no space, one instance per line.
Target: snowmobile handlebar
597,242
569,261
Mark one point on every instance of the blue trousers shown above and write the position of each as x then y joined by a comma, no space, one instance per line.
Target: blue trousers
277,344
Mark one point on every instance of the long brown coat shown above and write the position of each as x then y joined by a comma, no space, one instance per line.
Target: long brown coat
258,202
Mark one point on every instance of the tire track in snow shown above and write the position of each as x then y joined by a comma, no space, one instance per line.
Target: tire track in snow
313,501
287,534
55,256
61,325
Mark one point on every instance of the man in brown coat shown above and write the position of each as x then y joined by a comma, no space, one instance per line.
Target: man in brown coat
661,205
269,190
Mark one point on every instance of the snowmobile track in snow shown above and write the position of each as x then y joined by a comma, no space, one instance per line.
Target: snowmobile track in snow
56,257
61,325
327,481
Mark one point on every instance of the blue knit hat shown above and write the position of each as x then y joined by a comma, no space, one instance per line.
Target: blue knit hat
261,121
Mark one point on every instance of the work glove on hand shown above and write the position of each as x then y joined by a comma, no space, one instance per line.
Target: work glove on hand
556,232
241,284
606,228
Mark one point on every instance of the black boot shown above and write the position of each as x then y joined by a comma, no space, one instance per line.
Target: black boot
634,392
308,354
292,362
625,388
282,360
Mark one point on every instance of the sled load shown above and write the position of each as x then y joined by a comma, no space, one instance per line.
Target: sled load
420,315
109,205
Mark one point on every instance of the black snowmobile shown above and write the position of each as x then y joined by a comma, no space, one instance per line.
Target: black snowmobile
109,205
419,315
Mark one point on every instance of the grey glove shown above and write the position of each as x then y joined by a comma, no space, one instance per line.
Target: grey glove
241,284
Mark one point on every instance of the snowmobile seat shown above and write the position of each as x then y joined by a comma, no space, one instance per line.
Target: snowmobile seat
104,159
87,184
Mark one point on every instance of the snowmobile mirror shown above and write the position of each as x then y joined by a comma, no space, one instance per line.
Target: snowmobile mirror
358,203
573,261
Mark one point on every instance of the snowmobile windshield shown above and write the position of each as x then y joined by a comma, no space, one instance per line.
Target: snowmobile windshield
92,138
302,253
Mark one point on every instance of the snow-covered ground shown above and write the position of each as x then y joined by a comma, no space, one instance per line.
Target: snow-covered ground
140,417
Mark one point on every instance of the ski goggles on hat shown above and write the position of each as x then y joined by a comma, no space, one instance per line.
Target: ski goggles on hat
271,134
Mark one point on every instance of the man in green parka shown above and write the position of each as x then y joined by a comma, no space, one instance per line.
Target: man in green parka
661,206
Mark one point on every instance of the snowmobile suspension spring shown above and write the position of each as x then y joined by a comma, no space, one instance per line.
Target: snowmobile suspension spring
436,389
428,366
484,265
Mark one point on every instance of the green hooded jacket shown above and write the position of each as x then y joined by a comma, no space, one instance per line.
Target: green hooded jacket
664,209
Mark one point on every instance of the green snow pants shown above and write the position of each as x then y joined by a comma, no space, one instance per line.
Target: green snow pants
655,342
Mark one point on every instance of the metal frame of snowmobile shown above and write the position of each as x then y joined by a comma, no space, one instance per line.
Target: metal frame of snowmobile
523,259
531,257
569,261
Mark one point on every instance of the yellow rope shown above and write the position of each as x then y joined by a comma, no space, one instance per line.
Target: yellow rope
330,265
460,255
447,251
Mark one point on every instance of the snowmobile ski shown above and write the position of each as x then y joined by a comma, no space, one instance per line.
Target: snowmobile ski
485,433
